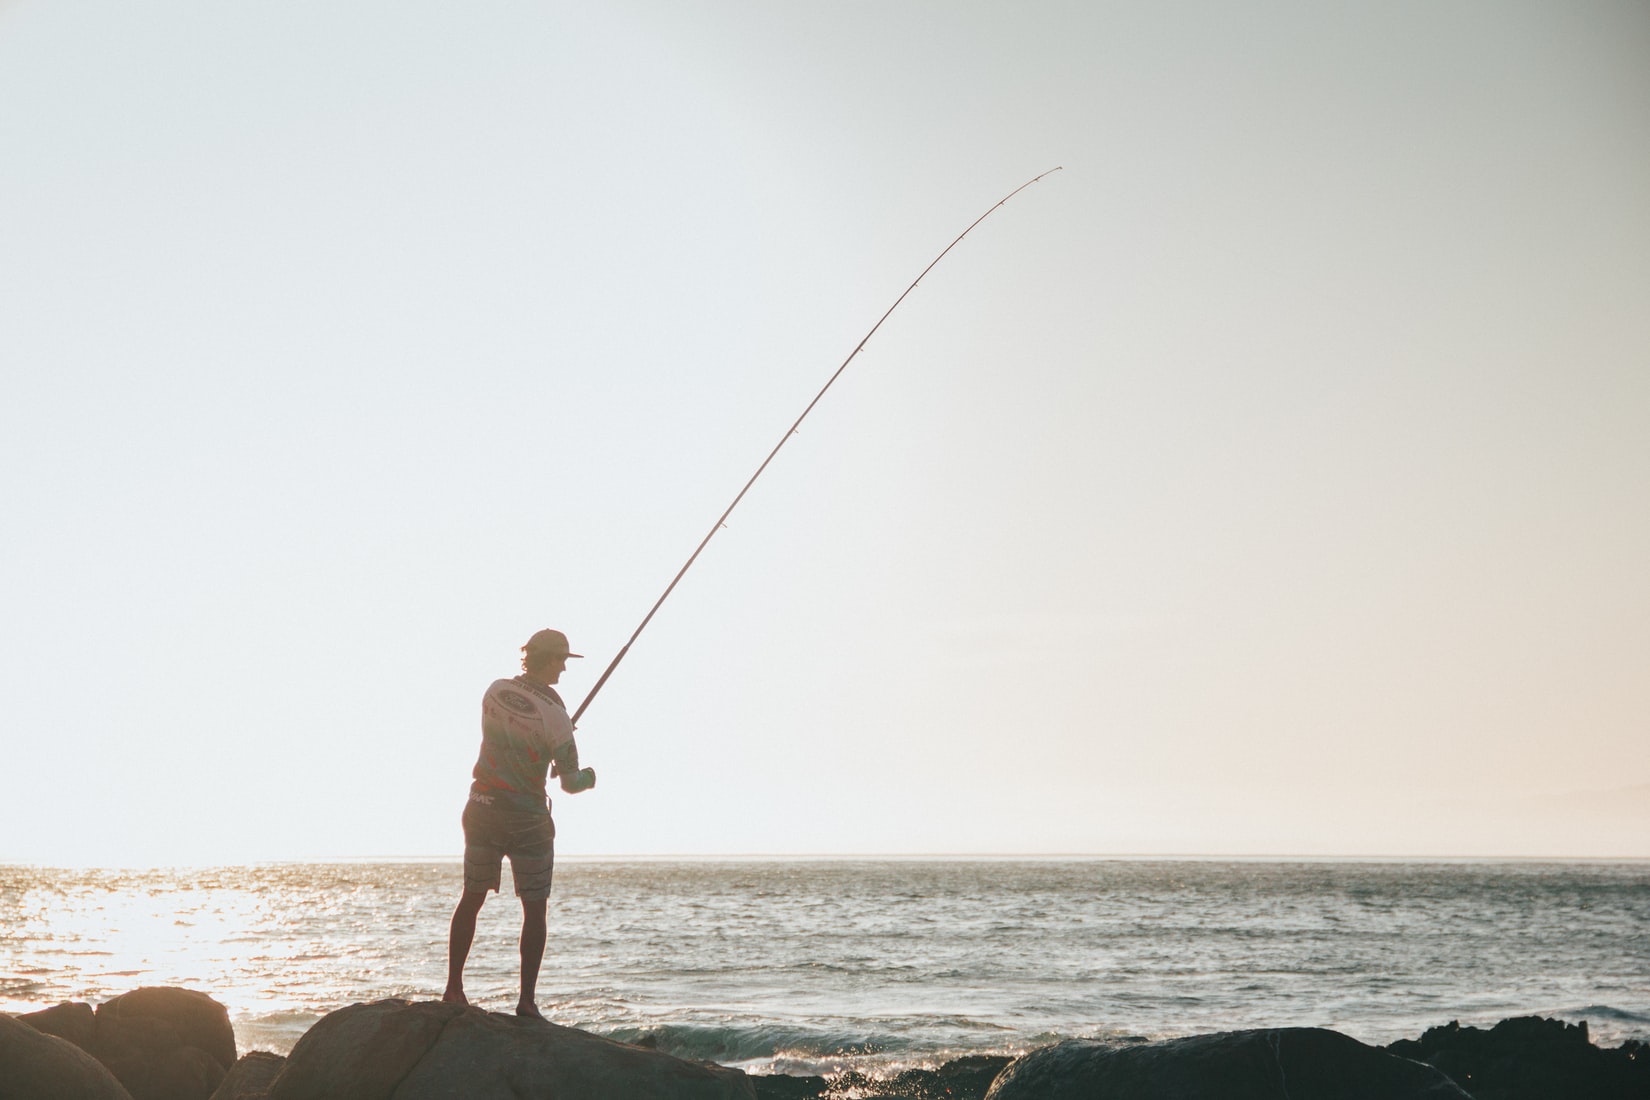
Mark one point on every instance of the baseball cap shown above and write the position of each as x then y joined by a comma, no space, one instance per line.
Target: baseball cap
552,642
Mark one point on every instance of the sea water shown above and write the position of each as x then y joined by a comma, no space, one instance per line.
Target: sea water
813,965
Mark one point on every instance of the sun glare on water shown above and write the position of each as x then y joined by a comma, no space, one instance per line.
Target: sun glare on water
113,929
237,934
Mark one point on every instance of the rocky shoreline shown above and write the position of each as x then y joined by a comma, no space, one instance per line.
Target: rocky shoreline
177,1044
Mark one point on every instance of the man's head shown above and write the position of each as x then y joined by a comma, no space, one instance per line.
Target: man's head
545,655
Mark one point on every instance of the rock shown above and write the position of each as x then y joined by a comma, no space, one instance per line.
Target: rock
37,1066
160,1043
249,1079
429,1050
164,1043
362,1051
1233,1065
197,1019
1531,1058
147,1058
75,1022
783,1086
970,1078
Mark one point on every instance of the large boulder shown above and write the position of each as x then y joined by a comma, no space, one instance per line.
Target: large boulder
194,1018
362,1051
1532,1058
38,1066
1235,1065
399,1050
74,1021
161,1043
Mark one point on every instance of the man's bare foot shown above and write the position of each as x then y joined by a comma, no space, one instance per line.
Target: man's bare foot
528,1008
455,997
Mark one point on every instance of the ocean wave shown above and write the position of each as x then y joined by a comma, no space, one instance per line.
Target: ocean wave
272,1031
1606,1012
732,1044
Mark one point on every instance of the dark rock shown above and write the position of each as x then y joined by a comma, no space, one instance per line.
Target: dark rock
37,1066
970,1078
910,1084
782,1086
428,1050
75,1022
362,1051
147,1057
160,1043
249,1078
1531,1058
852,1083
197,1019
164,1043
1234,1065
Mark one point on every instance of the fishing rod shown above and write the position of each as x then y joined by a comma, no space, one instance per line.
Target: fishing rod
722,519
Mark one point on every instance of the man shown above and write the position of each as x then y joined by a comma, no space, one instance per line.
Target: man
525,731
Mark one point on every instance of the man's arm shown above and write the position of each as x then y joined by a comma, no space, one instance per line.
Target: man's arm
564,762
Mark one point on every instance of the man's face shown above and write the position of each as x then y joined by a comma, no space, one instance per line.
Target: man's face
553,668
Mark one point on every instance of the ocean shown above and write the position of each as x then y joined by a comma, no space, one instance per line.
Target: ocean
819,965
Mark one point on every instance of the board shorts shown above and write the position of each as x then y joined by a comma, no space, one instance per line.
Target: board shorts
526,836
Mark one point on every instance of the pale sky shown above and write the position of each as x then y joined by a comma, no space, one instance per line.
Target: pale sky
1274,479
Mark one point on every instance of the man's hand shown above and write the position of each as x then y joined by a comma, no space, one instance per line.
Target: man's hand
581,780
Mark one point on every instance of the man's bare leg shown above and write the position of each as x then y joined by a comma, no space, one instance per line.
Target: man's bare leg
460,935
533,935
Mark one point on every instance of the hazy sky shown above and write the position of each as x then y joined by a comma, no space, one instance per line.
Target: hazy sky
1273,479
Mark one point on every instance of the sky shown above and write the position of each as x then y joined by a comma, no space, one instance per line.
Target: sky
1271,480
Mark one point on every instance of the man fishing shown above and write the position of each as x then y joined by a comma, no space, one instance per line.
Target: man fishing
525,732
525,728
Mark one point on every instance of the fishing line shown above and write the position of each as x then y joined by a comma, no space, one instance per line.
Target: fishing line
720,520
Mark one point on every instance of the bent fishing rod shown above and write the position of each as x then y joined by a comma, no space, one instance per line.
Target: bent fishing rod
722,519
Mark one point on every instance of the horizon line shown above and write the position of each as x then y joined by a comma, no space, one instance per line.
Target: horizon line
866,857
